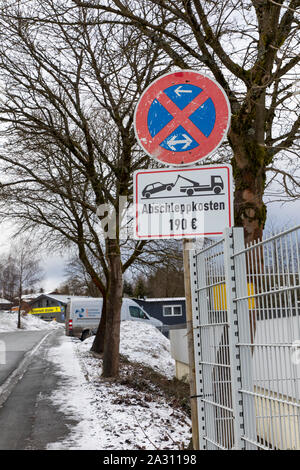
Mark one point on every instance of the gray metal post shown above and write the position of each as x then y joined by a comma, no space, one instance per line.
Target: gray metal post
197,346
243,318
233,338
188,267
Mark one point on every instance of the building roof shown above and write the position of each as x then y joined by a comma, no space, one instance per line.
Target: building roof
63,298
30,297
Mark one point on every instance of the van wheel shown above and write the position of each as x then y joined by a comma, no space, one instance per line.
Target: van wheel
85,334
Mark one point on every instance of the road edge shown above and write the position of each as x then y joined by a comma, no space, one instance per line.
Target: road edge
7,387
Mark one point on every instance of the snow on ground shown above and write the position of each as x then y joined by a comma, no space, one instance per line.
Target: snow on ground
9,321
111,415
147,345
144,344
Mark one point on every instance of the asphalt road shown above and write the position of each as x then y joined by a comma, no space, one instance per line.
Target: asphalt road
17,344
28,419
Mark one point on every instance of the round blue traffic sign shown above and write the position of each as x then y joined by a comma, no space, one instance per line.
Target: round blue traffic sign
182,117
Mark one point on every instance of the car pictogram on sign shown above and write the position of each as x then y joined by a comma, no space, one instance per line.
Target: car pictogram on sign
182,117
156,188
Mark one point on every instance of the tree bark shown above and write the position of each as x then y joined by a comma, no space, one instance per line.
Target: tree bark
249,163
20,305
113,312
99,341
249,172
19,316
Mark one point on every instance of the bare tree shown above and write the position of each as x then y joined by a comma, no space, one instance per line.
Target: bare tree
78,280
24,262
67,114
166,282
251,48
8,277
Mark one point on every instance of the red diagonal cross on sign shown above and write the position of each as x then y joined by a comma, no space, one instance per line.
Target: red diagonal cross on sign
155,146
180,118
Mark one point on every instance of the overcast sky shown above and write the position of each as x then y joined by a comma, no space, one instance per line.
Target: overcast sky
283,214
52,264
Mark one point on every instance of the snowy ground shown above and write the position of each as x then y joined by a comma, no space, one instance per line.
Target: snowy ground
111,414
144,344
9,321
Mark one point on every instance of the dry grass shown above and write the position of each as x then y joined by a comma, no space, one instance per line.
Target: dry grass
144,379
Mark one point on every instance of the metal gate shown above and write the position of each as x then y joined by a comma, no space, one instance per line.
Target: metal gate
246,321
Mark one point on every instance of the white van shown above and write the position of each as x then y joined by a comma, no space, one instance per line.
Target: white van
83,316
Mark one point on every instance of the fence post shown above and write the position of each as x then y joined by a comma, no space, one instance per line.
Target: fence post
197,348
188,268
233,339
243,318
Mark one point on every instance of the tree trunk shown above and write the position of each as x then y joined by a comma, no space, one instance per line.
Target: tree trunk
249,164
249,171
250,210
19,316
20,305
113,311
99,341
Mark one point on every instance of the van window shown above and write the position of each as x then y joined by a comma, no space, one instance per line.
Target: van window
136,312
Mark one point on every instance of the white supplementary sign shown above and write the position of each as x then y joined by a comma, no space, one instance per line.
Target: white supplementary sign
183,203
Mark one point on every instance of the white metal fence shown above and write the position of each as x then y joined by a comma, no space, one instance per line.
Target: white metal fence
246,318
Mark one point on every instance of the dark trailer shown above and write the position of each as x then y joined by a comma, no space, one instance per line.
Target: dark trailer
170,310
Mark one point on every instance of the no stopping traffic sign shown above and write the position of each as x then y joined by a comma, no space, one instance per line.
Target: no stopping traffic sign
182,117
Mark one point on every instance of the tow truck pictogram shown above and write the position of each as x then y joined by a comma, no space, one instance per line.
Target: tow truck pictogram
216,185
